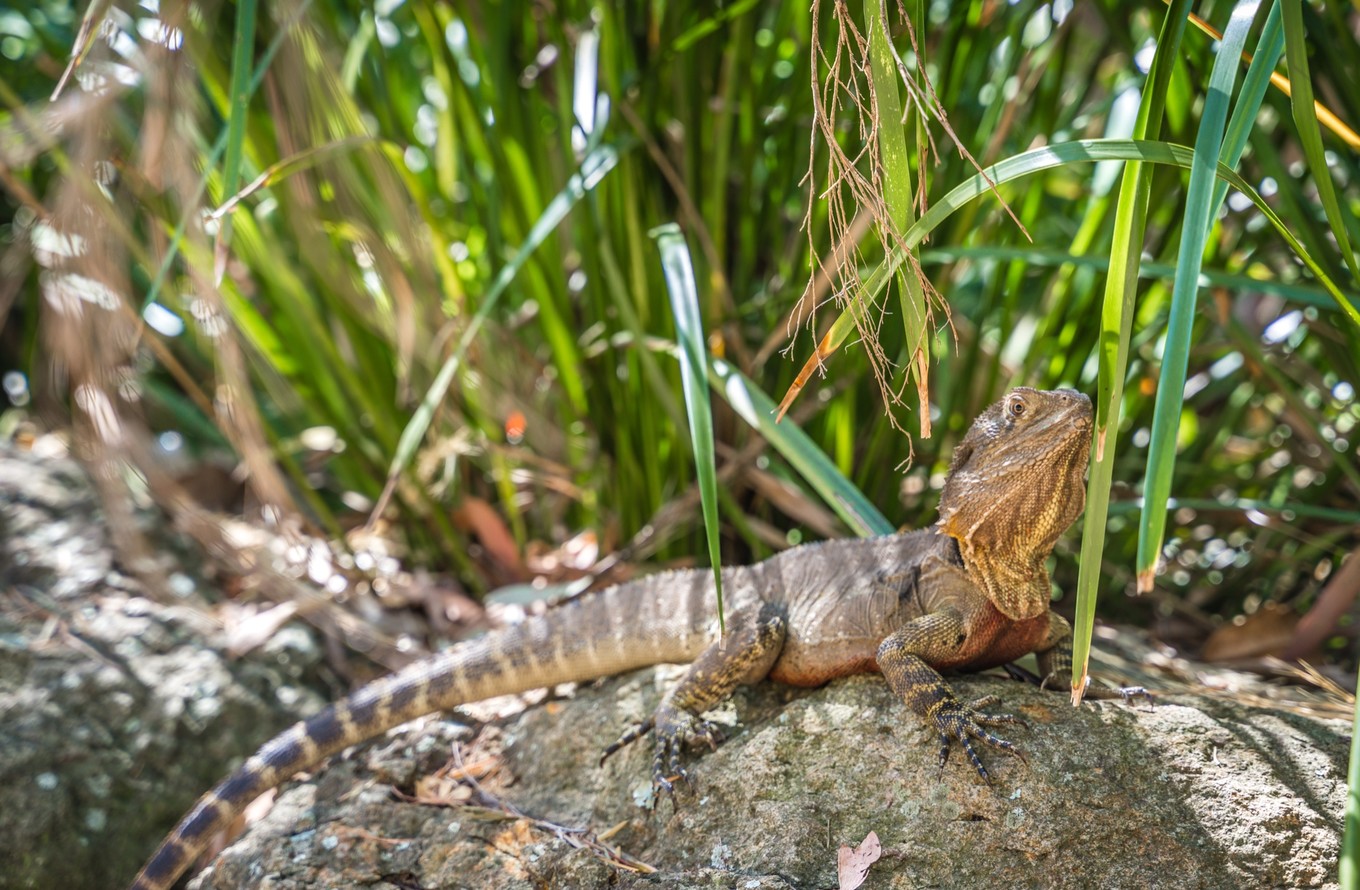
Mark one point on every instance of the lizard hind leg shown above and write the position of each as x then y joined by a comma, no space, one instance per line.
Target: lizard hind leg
750,648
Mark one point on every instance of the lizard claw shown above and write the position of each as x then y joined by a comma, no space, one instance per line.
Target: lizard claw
676,730
965,723
706,732
1128,694
667,769
987,701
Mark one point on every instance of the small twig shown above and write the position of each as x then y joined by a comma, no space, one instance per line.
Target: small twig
578,838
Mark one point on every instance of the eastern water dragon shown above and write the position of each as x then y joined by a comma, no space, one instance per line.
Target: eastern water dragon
969,593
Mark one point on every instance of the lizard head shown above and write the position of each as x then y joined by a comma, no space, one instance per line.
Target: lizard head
1017,482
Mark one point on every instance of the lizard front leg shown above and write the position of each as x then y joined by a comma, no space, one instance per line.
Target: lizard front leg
746,654
905,659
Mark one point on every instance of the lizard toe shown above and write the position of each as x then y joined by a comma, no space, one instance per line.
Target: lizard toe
630,735
1061,681
664,773
982,719
974,759
945,748
965,724
677,729
674,766
705,733
1127,694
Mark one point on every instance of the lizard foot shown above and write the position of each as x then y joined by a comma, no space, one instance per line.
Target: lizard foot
1125,693
1060,680
962,723
676,730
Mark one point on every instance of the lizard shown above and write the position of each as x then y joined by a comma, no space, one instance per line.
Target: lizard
970,592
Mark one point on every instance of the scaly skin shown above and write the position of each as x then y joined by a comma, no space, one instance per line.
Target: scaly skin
968,594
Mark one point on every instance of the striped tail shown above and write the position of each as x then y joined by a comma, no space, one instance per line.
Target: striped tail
657,619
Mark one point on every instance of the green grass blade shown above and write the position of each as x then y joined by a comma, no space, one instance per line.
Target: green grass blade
289,166
1305,118
242,52
1254,85
678,269
191,208
357,49
713,23
594,168
1199,212
758,410
1116,324
1350,845
897,194
1037,256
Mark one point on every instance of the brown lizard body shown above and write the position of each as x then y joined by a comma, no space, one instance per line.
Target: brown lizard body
968,594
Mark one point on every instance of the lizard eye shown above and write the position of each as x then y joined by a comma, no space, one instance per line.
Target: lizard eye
1016,408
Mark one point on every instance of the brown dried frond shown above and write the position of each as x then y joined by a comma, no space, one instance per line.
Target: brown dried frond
853,176
852,179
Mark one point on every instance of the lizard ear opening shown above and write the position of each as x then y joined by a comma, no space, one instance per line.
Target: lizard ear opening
962,452
985,429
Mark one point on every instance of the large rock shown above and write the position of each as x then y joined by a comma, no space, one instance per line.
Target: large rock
1192,793
116,710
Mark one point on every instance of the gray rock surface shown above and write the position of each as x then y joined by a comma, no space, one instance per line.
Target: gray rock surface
116,711
1194,793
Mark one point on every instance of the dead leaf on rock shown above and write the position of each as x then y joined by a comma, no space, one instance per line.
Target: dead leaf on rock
852,866
452,784
437,790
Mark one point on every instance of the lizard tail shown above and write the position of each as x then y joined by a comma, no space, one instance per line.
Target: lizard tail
597,635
